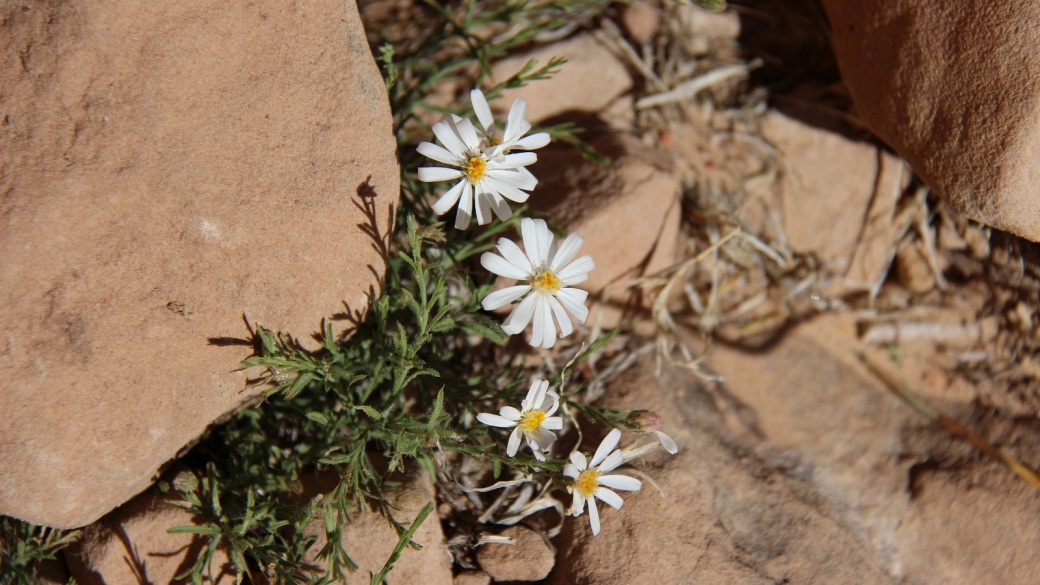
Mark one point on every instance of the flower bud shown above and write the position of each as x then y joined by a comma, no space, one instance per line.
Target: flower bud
644,421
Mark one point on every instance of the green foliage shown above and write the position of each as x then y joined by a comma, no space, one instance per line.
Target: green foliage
24,545
713,5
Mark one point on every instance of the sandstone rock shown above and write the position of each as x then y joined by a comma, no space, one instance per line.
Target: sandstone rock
723,518
529,558
570,89
472,578
828,184
131,546
165,169
922,504
640,20
370,539
702,30
912,269
628,212
954,88
879,237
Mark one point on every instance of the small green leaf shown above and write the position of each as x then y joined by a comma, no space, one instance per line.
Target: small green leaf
371,412
208,529
318,418
401,543
438,406
713,5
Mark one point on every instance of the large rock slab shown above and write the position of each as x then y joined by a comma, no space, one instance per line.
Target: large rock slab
167,168
570,89
827,184
927,506
954,88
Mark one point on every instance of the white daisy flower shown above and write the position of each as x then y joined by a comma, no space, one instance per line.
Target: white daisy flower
485,181
646,422
591,483
516,127
534,420
548,273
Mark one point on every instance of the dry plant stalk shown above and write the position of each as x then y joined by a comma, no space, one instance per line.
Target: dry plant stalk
901,388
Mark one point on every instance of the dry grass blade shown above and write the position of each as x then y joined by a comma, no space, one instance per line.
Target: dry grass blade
901,389
696,85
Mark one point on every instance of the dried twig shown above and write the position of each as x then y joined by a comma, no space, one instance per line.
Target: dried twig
694,86
900,388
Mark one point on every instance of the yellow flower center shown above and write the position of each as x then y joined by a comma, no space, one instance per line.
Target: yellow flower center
530,421
587,483
476,169
546,281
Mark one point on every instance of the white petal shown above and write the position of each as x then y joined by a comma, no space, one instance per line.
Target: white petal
580,268
438,153
502,267
520,178
579,461
468,134
568,250
499,206
562,317
517,320
509,413
513,136
465,212
553,423
532,393
508,191
542,437
493,420
570,471
533,141
550,336
511,252
574,300
445,132
514,442
552,251
449,199
501,298
546,239
553,401
529,177
482,110
593,516
543,322
667,442
611,462
434,174
538,454
529,231
621,482
515,160
516,116
483,206
610,497
550,401
538,329
577,505
606,446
